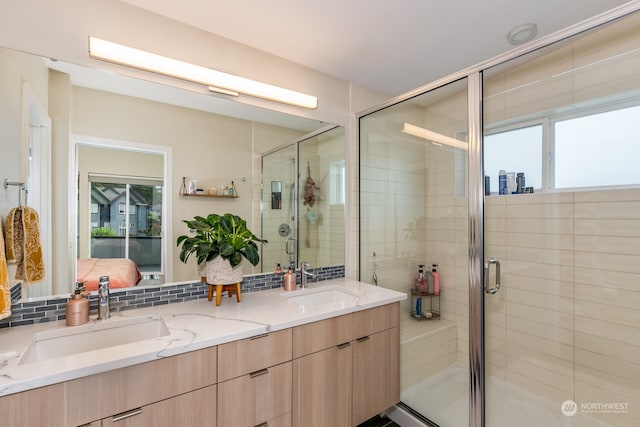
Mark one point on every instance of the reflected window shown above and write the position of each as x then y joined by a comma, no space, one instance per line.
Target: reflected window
337,182
127,222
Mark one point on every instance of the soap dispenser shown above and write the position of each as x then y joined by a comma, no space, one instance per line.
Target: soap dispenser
77,307
289,280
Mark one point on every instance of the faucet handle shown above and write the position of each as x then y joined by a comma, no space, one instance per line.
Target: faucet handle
304,265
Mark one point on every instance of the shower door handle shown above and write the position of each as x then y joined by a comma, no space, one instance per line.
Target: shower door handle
487,265
286,246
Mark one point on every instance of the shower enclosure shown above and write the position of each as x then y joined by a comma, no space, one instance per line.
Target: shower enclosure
536,322
303,197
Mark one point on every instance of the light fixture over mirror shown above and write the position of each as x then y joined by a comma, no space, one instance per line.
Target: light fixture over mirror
216,81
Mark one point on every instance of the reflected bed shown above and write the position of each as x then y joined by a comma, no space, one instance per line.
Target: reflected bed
122,272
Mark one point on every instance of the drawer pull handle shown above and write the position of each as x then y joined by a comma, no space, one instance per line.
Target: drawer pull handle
259,373
257,337
343,345
264,424
363,339
124,415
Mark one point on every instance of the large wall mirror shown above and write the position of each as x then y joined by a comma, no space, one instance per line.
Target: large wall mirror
118,149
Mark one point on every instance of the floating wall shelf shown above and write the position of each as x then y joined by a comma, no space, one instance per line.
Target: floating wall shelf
209,195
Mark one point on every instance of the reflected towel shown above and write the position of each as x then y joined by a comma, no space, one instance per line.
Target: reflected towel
23,244
5,292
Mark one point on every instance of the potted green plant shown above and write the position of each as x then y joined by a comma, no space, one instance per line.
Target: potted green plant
220,243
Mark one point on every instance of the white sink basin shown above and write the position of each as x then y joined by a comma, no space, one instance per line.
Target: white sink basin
326,297
92,336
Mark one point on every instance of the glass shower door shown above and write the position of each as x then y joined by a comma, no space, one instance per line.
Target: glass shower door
413,212
279,225
561,334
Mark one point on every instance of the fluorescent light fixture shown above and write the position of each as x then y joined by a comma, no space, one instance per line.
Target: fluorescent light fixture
223,91
216,80
435,137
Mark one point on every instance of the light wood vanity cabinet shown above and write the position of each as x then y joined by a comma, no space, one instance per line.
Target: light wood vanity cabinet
335,372
346,369
255,381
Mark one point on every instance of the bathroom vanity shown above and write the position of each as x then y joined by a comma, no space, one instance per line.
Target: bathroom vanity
326,355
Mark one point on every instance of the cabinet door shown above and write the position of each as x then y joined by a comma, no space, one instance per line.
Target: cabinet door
322,388
39,407
197,408
376,374
265,395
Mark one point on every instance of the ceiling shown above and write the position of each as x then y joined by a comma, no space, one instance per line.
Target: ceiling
391,46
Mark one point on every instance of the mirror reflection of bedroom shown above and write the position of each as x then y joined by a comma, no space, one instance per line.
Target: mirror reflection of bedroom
120,197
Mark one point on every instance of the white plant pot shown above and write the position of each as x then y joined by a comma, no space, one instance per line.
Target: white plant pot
218,271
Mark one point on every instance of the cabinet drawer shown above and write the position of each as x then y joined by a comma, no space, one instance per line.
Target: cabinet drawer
265,395
102,395
281,421
252,354
197,408
376,319
321,335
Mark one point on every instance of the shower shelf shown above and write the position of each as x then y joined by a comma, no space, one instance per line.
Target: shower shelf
219,196
430,304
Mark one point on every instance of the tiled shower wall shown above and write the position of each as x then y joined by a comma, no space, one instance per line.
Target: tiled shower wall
565,324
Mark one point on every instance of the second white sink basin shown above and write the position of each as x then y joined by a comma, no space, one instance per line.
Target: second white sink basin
323,297
92,336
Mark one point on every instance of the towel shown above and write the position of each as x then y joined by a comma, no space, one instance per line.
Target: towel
5,292
23,244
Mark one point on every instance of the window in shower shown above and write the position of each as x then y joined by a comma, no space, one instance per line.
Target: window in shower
598,149
517,150
589,148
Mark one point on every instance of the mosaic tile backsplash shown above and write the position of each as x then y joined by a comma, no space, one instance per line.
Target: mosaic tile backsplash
28,313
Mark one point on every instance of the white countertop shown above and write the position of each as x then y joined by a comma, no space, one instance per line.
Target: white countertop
192,326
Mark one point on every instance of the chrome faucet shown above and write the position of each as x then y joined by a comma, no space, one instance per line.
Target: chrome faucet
103,298
304,274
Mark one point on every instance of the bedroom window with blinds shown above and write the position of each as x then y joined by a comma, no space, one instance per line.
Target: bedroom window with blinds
126,220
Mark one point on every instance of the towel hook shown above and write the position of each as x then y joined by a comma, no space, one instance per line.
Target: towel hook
21,187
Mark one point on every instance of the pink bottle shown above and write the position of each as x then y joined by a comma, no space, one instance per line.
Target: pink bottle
436,279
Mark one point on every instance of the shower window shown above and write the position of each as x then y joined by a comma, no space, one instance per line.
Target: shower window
598,149
589,148
519,150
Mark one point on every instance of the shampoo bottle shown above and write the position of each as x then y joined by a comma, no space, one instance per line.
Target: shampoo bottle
502,182
436,279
